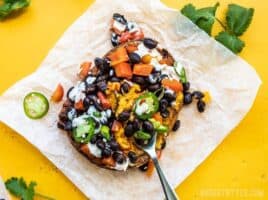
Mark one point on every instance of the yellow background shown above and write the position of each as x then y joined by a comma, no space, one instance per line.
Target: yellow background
239,166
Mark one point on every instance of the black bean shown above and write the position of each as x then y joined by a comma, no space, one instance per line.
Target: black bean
68,126
102,78
132,156
163,76
118,157
115,39
94,100
100,144
153,78
97,124
60,125
139,79
63,116
159,92
86,103
163,104
144,86
124,116
148,127
114,145
144,167
99,136
124,88
170,96
164,113
93,140
129,130
134,58
186,86
91,89
187,99
105,153
201,105
120,18
102,65
114,79
150,43
198,95
68,93
136,124
102,86
154,87
98,62
176,125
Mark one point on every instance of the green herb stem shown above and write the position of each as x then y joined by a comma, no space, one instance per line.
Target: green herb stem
43,196
221,23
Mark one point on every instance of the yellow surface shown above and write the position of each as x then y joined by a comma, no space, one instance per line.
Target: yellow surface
238,169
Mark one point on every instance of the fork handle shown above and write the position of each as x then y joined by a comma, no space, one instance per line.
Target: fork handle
169,192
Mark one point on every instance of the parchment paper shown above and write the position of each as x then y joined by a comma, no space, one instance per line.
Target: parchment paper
3,191
232,83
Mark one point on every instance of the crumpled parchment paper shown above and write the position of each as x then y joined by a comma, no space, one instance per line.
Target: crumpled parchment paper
3,192
232,82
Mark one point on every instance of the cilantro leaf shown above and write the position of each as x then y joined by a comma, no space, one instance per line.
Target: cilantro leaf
189,11
180,71
19,188
238,18
10,6
230,41
204,18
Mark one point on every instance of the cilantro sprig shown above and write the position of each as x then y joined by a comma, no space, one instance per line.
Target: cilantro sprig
10,6
19,188
180,71
237,19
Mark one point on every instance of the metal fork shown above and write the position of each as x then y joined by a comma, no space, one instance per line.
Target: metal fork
150,150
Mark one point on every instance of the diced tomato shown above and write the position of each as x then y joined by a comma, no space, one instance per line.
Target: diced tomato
117,56
172,84
103,100
125,36
58,94
138,35
116,126
150,169
131,48
123,70
84,70
79,105
157,116
108,161
142,69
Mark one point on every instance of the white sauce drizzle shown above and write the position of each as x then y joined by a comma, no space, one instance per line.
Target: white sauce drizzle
117,25
77,92
81,120
142,108
122,166
133,27
94,150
